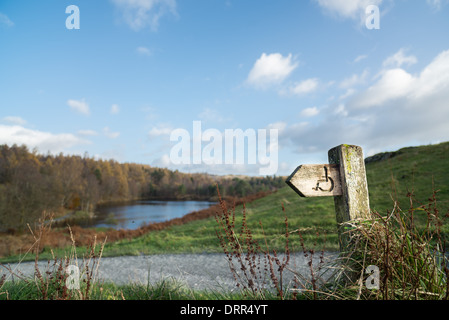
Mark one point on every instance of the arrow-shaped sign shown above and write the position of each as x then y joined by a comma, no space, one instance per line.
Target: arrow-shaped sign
345,180
316,180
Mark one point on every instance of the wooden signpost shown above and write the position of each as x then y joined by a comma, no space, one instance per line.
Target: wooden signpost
344,178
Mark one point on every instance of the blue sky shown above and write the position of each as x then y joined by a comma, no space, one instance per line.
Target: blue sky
136,70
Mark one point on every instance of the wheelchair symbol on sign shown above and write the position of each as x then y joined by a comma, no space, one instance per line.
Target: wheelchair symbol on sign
325,180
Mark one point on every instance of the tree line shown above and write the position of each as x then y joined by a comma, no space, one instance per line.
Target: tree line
32,183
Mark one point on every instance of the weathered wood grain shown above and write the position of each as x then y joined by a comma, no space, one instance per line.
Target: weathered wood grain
320,180
353,204
344,178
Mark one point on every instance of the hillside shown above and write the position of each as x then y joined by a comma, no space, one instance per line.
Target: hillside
420,170
391,177
417,170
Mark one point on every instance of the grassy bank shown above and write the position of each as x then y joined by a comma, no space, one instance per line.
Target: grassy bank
418,170
409,197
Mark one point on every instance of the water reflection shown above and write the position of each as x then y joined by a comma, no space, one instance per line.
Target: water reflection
133,215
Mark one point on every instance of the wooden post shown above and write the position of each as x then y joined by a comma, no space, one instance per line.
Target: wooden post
353,204
344,178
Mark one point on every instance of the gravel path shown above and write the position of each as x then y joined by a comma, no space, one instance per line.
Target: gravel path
196,271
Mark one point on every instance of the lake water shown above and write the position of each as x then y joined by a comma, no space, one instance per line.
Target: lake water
135,214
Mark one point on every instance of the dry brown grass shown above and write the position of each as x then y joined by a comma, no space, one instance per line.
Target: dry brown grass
51,282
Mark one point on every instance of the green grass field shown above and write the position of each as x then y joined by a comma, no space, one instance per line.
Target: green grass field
419,170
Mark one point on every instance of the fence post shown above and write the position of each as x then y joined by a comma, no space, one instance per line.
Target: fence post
353,203
344,178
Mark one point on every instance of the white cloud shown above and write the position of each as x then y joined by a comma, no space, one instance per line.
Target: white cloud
360,58
143,51
162,162
15,120
354,80
310,112
141,14
115,109
4,20
393,84
79,106
398,109
355,9
304,87
341,110
43,141
398,59
280,126
349,92
348,9
434,79
271,69
160,130
108,133
398,84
